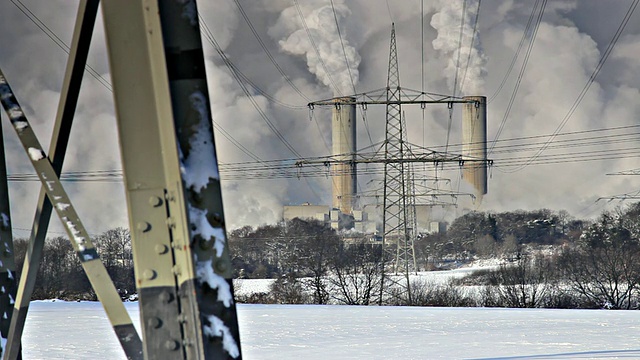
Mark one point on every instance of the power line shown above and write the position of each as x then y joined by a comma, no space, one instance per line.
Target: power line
517,53
473,38
462,20
218,48
56,40
389,12
209,36
344,52
266,50
346,60
587,86
520,75
455,81
315,48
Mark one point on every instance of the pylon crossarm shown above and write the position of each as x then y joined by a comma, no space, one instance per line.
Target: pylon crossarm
627,172
386,102
435,158
619,197
379,97
89,259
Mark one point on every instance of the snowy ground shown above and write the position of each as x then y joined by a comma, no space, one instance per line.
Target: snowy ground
251,286
70,330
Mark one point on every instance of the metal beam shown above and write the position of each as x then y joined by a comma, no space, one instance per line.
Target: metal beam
80,241
182,265
7,261
87,11
386,102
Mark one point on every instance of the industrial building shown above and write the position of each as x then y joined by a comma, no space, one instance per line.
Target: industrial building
358,220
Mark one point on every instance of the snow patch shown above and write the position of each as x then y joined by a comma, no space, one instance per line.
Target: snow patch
201,164
36,154
189,11
15,112
205,274
75,232
5,220
219,329
19,125
62,206
198,218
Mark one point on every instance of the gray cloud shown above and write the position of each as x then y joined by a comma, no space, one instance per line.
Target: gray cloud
569,43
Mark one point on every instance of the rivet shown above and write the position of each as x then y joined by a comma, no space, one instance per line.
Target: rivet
165,297
155,201
154,322
144,226
171,345
176,270
161,249
217,217
149,274
205,244
221,266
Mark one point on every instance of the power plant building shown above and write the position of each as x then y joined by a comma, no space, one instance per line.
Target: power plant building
358,220
306,211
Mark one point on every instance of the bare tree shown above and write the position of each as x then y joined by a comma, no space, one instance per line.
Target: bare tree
604,267
525,284
356,274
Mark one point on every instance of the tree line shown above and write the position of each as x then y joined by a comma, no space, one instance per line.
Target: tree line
551,260
61,276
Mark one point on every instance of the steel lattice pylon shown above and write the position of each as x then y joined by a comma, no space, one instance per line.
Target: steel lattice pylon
398,227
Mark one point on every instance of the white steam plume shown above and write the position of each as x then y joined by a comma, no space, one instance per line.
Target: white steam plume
468,62
337,65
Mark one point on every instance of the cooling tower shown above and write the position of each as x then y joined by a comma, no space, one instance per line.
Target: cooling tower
474,143
343,135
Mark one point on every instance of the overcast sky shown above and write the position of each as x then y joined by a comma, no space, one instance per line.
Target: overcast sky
570,41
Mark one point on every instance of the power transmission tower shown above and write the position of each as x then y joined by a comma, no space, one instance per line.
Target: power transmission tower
399,225
622,197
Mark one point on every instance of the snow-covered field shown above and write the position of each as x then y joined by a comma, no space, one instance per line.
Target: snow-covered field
251,286
70,330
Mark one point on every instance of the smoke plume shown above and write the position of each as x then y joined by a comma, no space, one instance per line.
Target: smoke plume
571,39
329,55
459,43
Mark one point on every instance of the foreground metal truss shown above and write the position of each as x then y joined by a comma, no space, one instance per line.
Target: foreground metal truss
182,265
